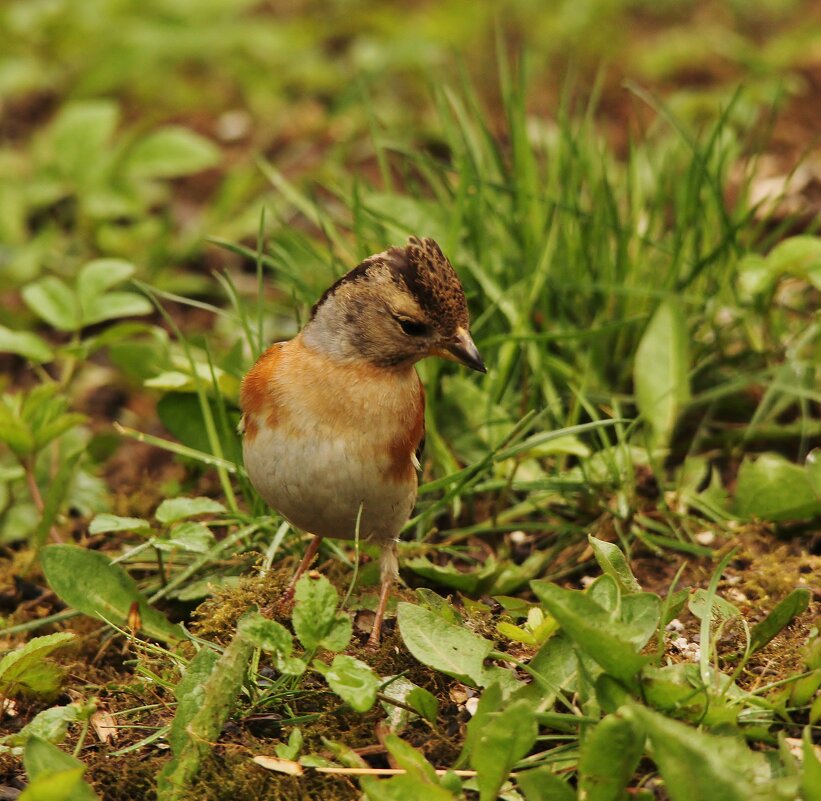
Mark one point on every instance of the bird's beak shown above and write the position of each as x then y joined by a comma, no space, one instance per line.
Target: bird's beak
463,349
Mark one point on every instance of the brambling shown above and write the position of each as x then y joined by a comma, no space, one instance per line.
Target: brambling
333,420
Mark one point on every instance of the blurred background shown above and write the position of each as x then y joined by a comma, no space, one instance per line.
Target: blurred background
316,87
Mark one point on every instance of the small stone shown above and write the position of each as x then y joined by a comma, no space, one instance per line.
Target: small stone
706,537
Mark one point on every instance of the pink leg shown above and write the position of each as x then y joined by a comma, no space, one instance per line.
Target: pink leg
389,570
310,553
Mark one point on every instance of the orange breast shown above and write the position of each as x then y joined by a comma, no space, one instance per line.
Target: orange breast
297,390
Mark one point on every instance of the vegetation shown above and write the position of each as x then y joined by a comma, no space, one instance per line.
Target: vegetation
609,579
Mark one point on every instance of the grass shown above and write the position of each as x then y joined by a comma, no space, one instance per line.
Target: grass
607,578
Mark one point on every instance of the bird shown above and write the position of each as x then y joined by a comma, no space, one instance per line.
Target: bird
333,420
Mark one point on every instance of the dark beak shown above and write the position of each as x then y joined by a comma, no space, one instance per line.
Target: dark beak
462,348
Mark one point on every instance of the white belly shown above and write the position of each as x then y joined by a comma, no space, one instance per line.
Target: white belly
318,484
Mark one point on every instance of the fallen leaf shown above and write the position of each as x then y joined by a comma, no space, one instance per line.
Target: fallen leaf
279,765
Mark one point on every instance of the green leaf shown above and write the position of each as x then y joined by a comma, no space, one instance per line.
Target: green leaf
771,488
190,536
44,761
104,523
293,747
55,497
720,609
25,344
23,671
442,646
695,765
468,582
609,756
353,681
640,613
660,372
273,638
315,618
90,583
810,769
99,275
420,780
592,630
792,606
51,724
170,152
506,737
612,561
80,134
403,788
173,509
51,300
813,469
796,255
190,695
541,784
114,305
60,785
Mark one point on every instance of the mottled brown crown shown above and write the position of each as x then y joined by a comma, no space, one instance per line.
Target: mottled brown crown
427,274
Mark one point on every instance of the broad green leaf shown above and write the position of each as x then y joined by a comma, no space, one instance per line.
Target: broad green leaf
592,629
99,275
442,646
813,468
403,788
293,747
721,609
401,689
507,736
42,759
696,765
58,785
557,665
419,782
612,561
91,584
219,694
190,536
468,582
23,671
660,371
443,607
409,759
771,488
353,681
173,509
114,305
315,618
790,607
609,756
190,695
640,613
171,152
14,431
104,523
80,134
25,344
51,300
810,769
273,638
424,703
797,255
541,784
51,724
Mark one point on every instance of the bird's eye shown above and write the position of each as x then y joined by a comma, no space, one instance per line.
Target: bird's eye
413,328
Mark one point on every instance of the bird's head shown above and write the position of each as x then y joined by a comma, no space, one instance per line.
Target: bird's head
394,309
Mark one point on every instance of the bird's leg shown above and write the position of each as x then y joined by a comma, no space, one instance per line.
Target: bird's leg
310,553
389,572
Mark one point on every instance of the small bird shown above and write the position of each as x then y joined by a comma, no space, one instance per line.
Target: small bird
333,420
